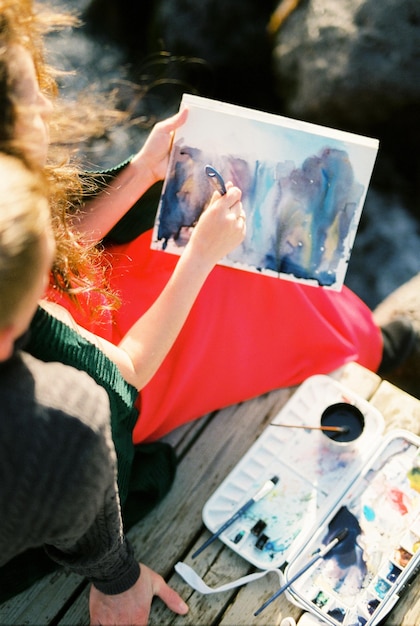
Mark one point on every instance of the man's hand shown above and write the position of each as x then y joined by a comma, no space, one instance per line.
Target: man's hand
133,606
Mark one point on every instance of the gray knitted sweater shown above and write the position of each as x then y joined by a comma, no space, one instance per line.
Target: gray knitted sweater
58,472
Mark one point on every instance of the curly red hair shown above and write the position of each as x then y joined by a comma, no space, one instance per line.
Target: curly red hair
78,267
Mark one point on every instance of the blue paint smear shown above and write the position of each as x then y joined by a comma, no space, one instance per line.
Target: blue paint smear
338,614
348,552
369,513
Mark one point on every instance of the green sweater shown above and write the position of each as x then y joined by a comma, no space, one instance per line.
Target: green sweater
146,471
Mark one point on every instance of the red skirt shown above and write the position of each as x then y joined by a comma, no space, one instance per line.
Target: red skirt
246,334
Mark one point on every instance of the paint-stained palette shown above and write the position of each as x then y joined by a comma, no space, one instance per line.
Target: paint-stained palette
359,582
313,473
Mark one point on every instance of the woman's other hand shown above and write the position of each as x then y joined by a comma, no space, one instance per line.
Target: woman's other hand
155,153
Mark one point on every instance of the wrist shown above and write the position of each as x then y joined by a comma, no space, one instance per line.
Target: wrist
141,168
198,259
124,581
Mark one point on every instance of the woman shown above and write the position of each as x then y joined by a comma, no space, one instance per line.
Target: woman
244,334
140,351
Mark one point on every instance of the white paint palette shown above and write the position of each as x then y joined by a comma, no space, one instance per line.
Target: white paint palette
313,473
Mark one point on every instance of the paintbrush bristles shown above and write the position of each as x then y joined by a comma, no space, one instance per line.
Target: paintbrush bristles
334,429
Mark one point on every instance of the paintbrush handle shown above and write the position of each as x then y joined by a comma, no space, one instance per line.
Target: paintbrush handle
320,554
216,179
334,429
289,582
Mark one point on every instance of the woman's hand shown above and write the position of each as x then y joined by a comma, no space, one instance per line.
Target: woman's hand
154,155
145,169
220,228
133,606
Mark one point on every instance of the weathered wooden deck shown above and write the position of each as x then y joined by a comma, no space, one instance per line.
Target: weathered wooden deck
208,449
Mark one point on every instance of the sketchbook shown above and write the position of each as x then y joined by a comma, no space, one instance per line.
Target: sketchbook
371,488
303,189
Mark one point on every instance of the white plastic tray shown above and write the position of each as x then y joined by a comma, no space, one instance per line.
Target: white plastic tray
313,472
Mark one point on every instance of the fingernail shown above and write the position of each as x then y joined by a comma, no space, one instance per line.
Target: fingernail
183,608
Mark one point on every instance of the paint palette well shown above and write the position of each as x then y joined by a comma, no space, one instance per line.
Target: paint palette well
313,475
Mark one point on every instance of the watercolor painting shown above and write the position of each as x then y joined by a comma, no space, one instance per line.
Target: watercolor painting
303,189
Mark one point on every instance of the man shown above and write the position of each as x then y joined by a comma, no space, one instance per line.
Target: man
57,459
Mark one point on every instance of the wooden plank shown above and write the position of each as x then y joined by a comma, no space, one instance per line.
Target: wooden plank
357,378
407,611
183,438
400,410
42,602
217,565
250,598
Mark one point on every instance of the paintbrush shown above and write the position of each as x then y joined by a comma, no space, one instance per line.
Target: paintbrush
216,178
319,554
334,429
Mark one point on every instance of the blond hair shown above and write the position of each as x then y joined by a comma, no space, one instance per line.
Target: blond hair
24,219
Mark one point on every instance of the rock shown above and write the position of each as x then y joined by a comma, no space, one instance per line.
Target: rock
126,22
354,62
404,301
385,253
220,48
354,65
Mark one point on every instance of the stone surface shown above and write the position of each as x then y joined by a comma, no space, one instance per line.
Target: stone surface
355,65
353,61
404,301
221,48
